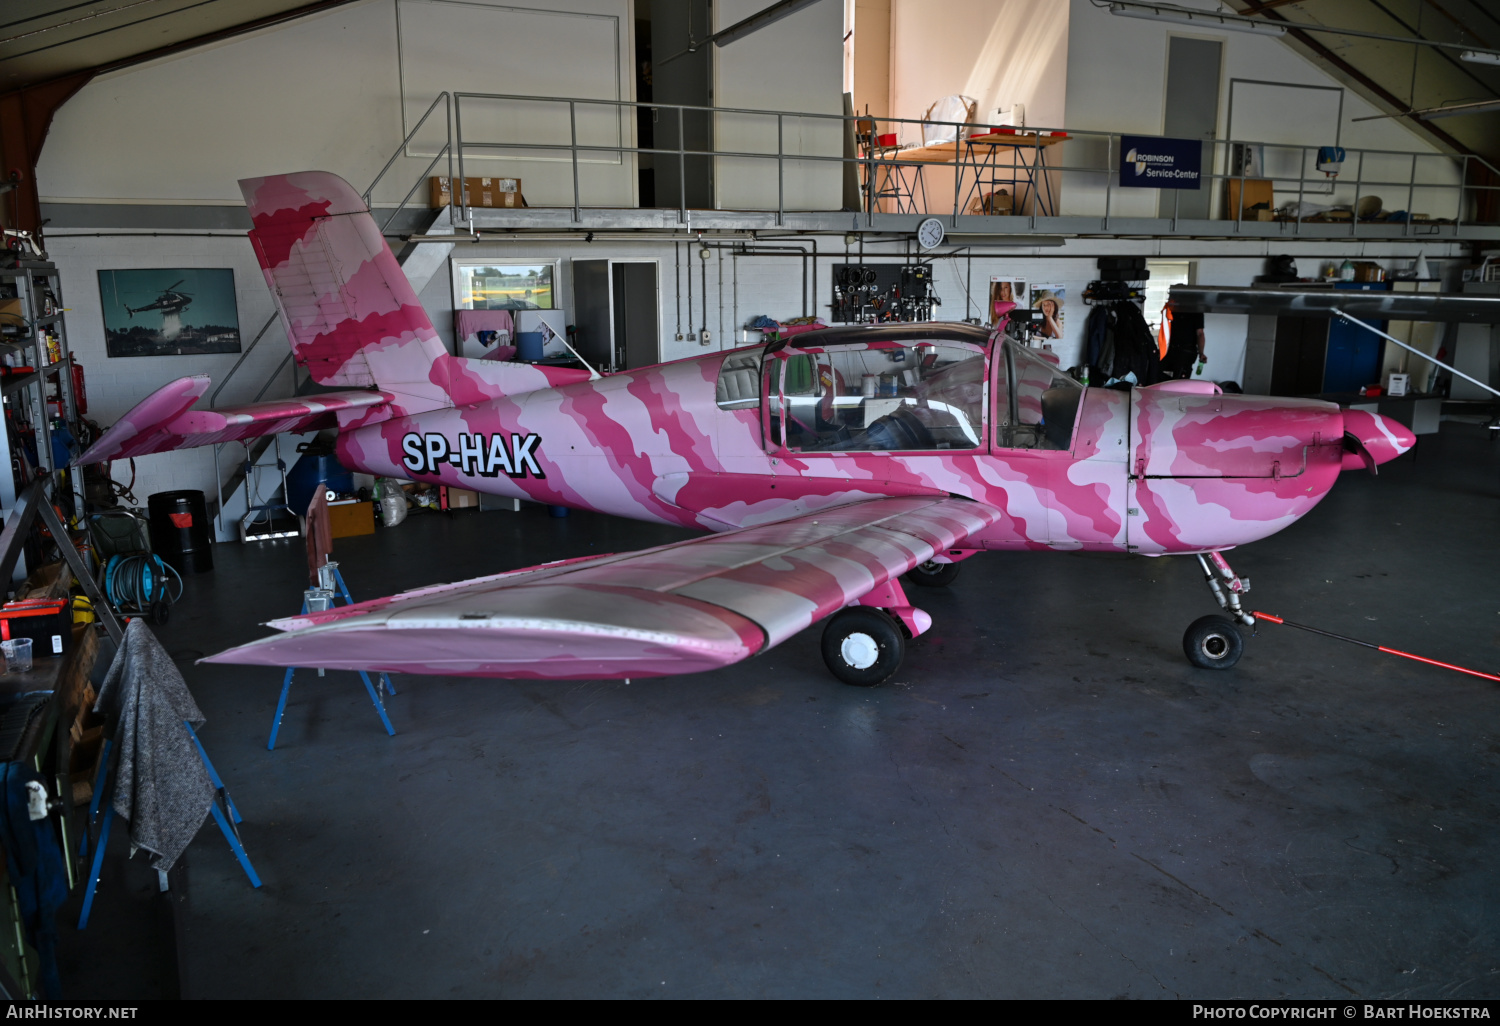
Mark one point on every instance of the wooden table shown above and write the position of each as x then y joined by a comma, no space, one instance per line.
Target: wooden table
981,152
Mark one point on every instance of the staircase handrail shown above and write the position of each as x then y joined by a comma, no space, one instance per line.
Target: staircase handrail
213,400
446,99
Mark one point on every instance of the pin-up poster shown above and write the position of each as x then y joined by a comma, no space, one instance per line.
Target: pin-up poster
1006,290
1048,301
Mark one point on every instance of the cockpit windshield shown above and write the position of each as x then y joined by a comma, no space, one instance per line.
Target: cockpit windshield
883,396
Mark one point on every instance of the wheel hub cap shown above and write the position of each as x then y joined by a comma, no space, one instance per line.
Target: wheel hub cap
860,651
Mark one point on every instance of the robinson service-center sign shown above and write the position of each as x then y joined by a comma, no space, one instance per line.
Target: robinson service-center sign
1151,162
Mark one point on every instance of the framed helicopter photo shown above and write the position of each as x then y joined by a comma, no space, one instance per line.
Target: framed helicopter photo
169,311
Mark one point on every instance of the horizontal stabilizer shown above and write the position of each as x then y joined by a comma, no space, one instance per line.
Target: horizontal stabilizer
165,420
680,608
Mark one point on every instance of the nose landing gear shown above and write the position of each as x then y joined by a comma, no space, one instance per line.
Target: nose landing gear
1213,642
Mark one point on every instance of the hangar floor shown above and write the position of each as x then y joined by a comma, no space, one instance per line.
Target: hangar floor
1046,801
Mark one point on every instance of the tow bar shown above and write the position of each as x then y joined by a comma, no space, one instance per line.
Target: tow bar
1365,644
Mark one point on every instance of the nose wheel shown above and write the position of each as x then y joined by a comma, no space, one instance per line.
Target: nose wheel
1213,643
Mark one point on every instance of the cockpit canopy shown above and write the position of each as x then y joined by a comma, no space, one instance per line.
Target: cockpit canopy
868,390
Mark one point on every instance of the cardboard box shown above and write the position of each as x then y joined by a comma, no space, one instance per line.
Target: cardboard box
1397,384
462,498
351,519
10,311
481,192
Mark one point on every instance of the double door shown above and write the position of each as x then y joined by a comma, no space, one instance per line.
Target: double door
1316,355
616,307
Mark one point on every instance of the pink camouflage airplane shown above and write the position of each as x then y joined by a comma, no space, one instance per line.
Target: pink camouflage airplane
824,470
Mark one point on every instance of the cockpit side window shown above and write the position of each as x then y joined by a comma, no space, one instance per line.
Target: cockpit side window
1036,404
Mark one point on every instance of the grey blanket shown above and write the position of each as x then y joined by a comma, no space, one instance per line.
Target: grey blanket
161,785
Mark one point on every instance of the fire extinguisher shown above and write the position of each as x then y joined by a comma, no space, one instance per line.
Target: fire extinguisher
80,394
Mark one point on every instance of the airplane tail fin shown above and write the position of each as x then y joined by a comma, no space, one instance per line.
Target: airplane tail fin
349,311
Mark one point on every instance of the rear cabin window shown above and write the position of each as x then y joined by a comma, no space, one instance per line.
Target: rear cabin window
880,397
739,381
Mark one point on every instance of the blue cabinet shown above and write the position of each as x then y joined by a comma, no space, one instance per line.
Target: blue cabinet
1353,356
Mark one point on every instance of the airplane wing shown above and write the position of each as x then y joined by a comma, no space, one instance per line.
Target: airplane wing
165,419
1321,302
681,608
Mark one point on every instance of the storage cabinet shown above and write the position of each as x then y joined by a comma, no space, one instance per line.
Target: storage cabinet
1312,355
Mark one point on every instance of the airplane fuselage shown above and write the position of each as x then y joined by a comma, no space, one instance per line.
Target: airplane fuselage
1167,469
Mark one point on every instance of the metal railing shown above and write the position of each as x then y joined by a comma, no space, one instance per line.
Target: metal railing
445,151
1004,155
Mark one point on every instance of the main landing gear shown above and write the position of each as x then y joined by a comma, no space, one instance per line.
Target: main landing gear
1213,642
865,643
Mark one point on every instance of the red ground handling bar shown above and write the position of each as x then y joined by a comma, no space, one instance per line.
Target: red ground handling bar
1365,644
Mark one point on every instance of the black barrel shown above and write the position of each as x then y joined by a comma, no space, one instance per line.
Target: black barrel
179,530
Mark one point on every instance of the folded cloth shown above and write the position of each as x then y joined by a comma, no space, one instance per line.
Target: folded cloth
472,322
161,785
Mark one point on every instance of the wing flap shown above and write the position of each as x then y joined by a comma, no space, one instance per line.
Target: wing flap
679,608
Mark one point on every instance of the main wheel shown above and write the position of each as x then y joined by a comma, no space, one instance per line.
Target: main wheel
1213,642
863,646
933,575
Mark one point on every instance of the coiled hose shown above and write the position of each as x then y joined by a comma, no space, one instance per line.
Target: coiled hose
141,584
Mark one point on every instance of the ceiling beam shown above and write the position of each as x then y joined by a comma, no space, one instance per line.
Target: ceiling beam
26,113
187,44
225,33
1452,60
25,117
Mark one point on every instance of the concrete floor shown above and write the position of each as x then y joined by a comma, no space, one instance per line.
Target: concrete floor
1046,801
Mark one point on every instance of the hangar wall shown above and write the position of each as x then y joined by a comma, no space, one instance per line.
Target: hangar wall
793,65
1116,82
1000,52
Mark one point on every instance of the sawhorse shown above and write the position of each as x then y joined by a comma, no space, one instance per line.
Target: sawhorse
226,817
331,588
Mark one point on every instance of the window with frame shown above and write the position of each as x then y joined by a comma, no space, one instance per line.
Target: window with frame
881,397
520,286
1036,404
